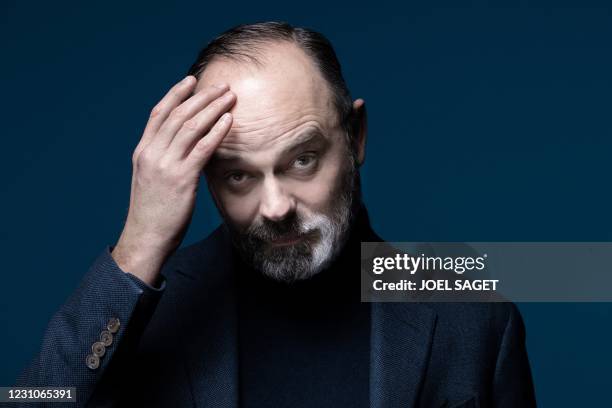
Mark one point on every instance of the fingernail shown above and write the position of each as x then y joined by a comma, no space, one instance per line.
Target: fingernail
188,79
220,86
226,117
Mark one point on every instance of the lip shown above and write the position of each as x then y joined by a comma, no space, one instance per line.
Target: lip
287,241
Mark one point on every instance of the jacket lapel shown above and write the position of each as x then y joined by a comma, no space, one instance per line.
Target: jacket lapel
206,312
401,337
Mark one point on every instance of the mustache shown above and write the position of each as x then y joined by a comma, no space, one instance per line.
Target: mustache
268,230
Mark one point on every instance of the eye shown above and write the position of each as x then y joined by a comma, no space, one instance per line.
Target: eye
305,161
236,178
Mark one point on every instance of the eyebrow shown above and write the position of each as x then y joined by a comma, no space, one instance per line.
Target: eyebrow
311,135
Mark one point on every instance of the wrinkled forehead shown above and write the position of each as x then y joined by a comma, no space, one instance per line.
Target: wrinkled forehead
275,98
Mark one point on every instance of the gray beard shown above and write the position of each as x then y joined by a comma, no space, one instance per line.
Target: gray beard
324,235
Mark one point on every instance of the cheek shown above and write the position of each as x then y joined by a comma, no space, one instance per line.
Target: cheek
319,193
239,211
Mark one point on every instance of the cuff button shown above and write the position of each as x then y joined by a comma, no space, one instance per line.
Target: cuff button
113,325
92,361
106,338
98,349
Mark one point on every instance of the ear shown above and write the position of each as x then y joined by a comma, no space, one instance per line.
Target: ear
360,127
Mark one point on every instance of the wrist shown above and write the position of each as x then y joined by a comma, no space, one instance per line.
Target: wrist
143,262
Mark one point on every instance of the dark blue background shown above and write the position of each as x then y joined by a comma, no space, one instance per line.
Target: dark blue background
487,123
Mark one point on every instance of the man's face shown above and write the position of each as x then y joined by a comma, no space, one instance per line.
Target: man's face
283,177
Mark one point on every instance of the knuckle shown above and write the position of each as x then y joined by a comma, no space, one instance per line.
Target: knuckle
174,93
135,156
167,169
144,158
163,166
190,124
155,111
218,103
212,93
178,112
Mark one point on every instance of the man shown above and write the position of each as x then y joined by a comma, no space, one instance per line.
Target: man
266,311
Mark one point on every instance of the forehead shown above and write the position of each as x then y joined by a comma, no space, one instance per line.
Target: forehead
281,96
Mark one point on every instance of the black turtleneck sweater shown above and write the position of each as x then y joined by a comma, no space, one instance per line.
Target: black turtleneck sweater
306,344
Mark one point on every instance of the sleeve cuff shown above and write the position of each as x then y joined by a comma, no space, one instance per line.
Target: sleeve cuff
143,286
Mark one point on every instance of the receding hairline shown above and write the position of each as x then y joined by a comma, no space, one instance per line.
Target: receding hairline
254,51
261,57
246,42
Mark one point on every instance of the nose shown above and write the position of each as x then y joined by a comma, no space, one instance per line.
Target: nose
276,204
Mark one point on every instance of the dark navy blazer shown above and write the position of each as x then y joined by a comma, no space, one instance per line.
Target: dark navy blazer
177,345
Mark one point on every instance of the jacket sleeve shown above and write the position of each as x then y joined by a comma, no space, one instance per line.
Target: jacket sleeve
513,384
107,302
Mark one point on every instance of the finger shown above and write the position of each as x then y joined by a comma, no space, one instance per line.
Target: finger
206,146
193,129
184,112
160,112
